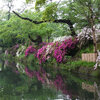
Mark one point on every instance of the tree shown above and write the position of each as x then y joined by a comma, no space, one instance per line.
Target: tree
10,32
9,4
48,15
88,10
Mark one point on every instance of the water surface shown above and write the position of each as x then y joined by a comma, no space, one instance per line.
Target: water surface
23,82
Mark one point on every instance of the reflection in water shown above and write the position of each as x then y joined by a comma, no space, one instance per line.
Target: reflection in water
43,77
88,87
18,82
97,91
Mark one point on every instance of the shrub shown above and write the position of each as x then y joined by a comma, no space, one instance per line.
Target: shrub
57,50
30,50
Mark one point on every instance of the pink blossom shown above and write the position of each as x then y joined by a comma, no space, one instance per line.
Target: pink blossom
57,50
30,50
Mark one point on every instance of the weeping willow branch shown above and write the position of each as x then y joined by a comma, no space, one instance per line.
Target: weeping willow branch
54,21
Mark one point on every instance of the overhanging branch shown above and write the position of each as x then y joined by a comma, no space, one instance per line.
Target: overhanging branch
54,21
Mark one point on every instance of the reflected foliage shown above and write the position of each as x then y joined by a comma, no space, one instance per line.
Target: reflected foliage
41,83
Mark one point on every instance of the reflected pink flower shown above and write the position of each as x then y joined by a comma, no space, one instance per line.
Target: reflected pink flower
29,72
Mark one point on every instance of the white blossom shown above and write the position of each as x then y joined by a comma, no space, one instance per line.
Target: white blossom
20,51
97,61
61,38
86,34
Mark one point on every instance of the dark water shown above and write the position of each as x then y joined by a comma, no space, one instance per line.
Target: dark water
23,82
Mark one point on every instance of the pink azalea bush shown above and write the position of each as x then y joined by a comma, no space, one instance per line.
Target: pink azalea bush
57,50
43,53
12,51
30,50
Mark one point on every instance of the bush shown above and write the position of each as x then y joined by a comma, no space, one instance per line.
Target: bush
57,50
30,50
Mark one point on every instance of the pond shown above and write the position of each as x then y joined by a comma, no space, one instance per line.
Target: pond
21,82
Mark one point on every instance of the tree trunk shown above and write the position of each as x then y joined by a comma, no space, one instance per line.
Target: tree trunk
94,40
93,30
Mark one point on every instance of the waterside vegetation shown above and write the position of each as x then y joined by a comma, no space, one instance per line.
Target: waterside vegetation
55,36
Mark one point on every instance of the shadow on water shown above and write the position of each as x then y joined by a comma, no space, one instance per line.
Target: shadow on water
27,82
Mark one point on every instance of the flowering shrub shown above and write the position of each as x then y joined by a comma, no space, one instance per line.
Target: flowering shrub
30,50
43,53
42,44
59,54
12,51
97,61
66,47
20,50
57,50
85,36
61,38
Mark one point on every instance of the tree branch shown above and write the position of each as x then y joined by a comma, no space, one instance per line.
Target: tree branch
38,40
54,21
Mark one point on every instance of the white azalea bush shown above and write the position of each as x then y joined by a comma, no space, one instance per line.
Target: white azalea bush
86,35
61,38
97,61
83,37
20,50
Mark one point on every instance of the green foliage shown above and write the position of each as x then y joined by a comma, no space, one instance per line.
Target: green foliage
16,30
78,11
3,16
32,62
51,62
21,57
50,13
76,64
30,58
82,8
27,1
88,49
96,73
11,32
39,3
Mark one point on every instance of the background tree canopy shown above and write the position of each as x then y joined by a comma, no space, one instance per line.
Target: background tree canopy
55,18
